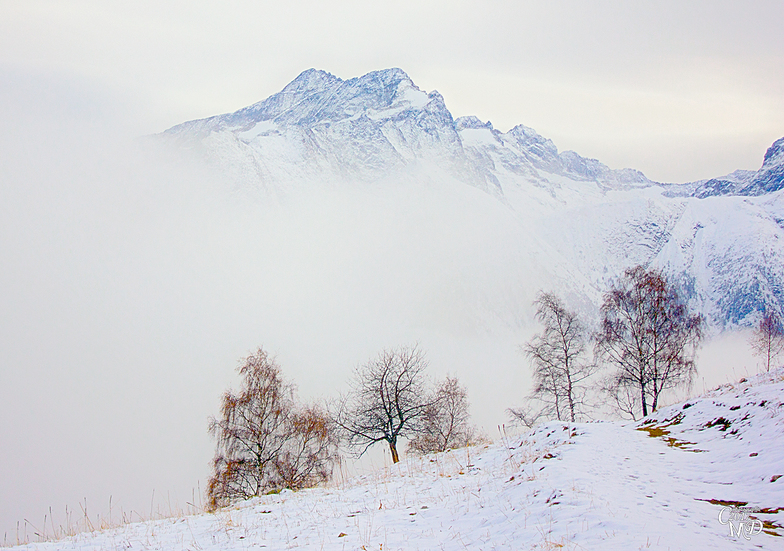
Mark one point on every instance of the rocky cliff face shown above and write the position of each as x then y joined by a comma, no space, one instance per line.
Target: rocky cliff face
770,177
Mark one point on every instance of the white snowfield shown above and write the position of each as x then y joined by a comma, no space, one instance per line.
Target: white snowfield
703,474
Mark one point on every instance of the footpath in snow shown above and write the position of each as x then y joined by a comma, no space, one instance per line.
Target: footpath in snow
703,474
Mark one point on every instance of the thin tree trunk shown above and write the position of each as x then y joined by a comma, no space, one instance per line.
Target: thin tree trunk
393,449
644,403
769,350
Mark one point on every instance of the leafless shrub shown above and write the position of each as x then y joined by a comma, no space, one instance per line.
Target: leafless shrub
625,399
265,441
445,425
310,451
528,416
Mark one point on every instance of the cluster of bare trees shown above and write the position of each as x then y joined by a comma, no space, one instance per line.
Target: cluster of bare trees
647,336
390,398
266,441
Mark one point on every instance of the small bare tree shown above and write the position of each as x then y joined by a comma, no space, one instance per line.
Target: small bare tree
266,442
768,339
649,335
446,424
557,355
528,415
625,398
388,400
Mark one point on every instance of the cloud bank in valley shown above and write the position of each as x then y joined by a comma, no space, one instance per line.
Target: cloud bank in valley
133,281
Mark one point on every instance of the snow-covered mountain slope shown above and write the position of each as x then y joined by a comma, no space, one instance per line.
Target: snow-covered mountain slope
580,223
704,474
320,126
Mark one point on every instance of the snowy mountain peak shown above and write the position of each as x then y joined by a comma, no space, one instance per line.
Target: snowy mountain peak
390,123
311,80
385,79
317,96
378,91
541,148
528,136
770,177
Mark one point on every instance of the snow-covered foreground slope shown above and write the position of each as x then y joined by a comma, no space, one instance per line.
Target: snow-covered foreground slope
673,481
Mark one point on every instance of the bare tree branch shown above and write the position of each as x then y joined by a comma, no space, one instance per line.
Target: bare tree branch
446,421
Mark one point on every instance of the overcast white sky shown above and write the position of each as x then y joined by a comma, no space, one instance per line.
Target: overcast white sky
127,292
679,89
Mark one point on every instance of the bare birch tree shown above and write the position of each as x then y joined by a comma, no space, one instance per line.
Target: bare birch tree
265,441
767,340
650,337
557,355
